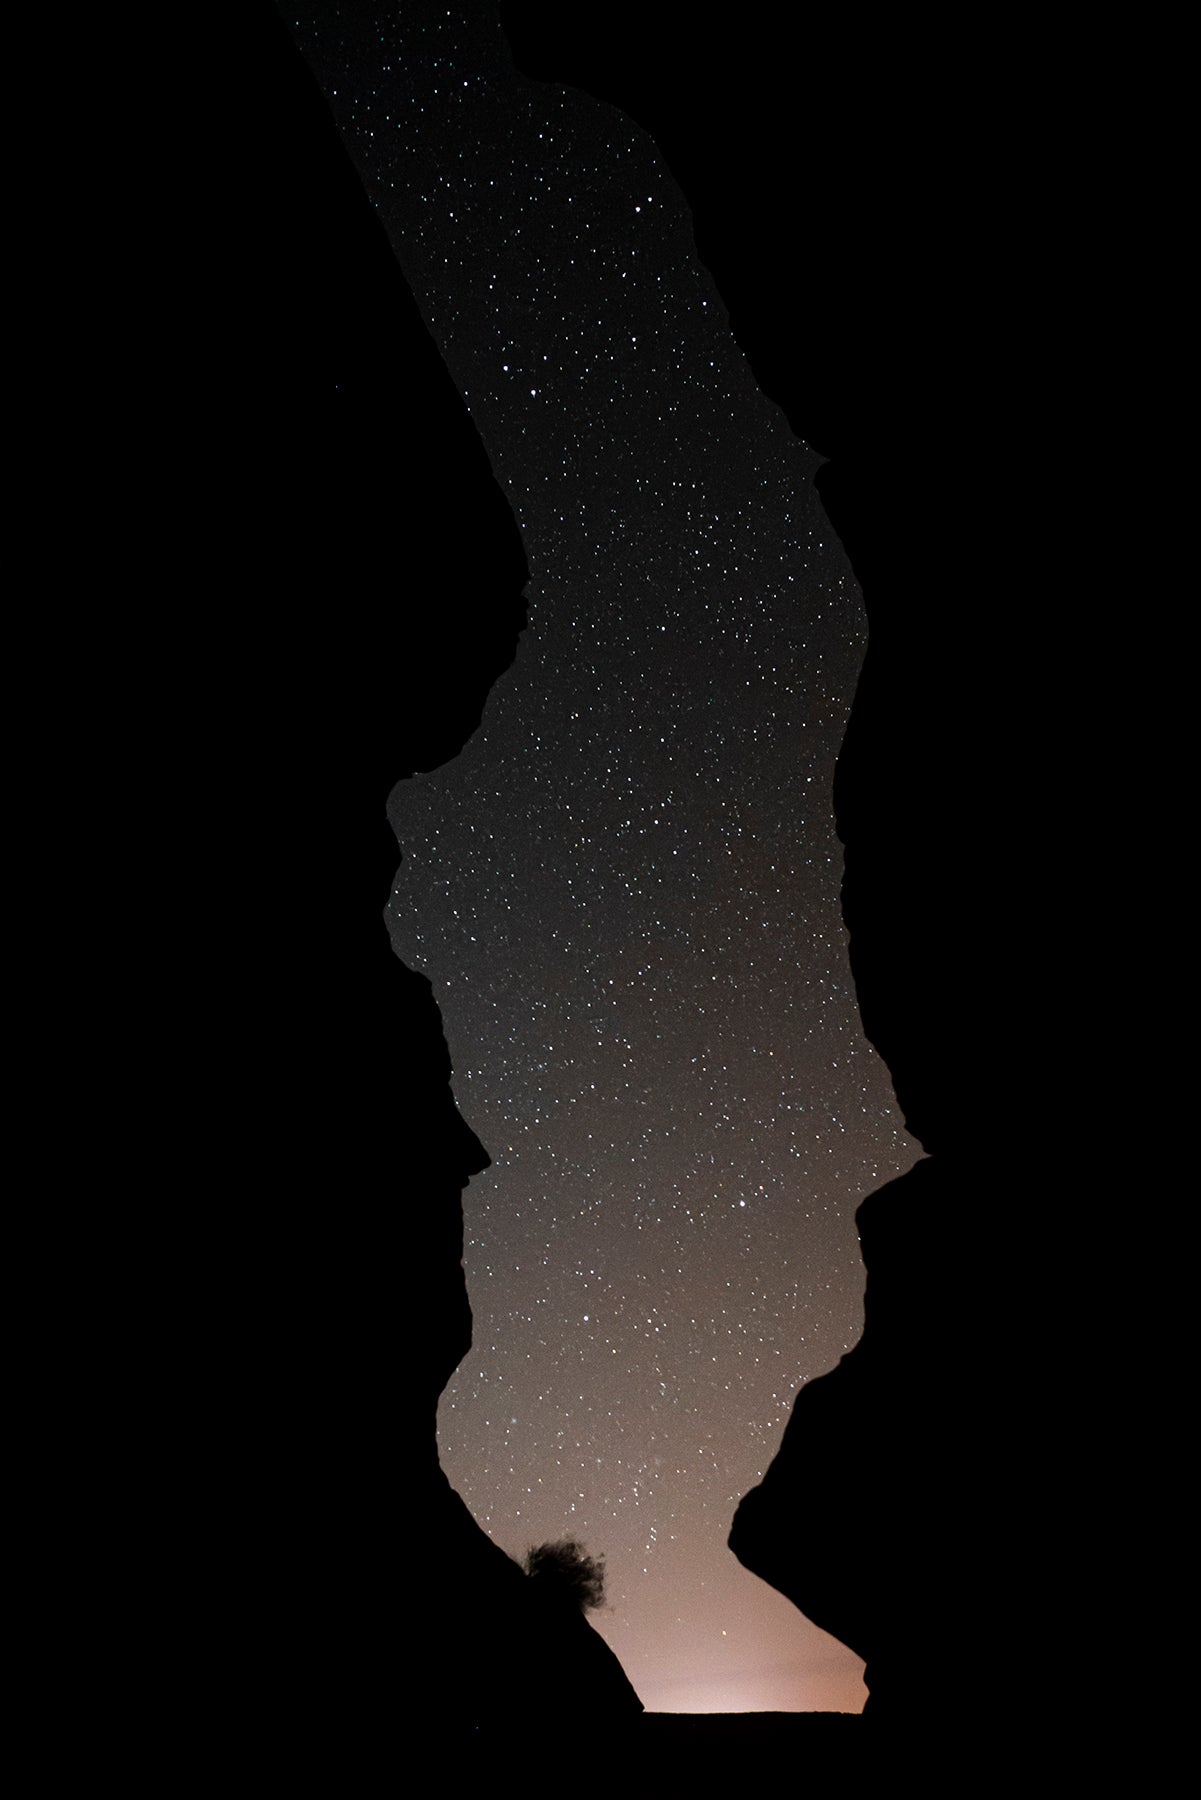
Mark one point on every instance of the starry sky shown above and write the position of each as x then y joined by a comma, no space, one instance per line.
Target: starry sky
625,889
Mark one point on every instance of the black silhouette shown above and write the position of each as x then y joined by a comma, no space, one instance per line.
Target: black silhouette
565,1571
265,1461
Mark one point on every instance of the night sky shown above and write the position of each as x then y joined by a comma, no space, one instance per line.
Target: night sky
625,889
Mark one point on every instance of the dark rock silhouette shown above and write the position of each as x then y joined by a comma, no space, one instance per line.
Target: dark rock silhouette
516,1669
323,602
282,1577
568,1584
424,555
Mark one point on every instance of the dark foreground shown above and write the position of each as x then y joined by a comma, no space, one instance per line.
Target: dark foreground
709,1753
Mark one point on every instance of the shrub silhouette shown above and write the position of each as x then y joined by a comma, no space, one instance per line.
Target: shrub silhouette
564,1571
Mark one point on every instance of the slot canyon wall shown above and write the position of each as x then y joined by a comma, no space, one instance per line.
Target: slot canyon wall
946,1452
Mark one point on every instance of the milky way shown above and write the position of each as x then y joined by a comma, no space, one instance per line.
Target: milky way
625,889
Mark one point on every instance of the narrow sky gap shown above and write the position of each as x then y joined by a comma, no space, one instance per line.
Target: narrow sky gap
625,889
